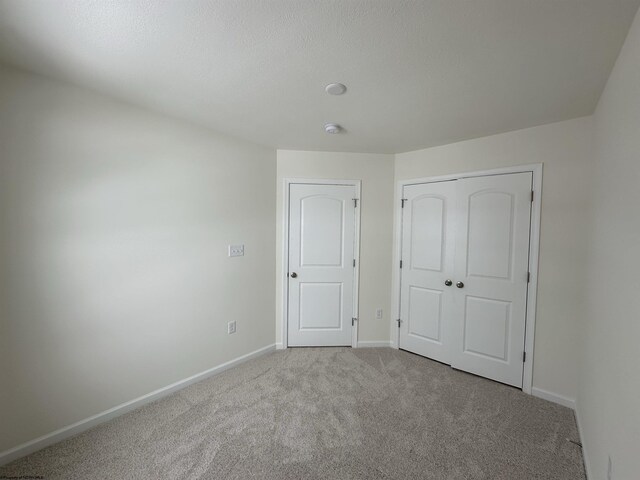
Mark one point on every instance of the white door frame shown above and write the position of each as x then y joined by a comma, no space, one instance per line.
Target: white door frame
534,250
285,252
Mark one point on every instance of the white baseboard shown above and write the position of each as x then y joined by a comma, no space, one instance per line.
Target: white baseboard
78,427
585,457
373,344
554,397
570,403
364,344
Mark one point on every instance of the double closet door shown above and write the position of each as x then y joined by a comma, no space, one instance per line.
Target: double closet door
465,270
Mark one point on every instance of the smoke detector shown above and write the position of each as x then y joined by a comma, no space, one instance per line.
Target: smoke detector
335,89
332,128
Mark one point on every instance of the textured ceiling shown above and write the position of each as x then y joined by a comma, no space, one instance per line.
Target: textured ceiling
419,73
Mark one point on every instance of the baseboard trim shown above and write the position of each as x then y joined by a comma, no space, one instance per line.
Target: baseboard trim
554,397
585,457
373,344
82,425
280,346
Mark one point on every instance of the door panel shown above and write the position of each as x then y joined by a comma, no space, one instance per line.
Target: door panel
486,327
321,252
322,231
428,253
425,313
320,306
490,234
492,261
427,247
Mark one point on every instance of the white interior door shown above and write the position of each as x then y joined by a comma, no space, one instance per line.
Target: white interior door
465,264
428,224
491,275
322,225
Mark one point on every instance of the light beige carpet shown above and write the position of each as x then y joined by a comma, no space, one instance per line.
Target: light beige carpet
330,413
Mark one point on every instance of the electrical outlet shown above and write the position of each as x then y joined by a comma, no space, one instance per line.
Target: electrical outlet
609,469
379,314
231,327
236,250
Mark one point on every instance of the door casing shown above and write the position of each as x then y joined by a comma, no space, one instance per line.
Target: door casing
285,252
534,250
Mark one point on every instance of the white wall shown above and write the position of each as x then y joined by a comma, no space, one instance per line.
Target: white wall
609,394
376,229
114,276
565,148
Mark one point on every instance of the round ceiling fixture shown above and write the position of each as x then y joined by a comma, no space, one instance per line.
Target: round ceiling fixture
332,128
335,89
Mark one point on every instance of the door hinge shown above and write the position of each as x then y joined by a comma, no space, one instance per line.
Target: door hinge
532,195
353,321
399,322
402,200
524,357
355,202
400,263
528,277
354,262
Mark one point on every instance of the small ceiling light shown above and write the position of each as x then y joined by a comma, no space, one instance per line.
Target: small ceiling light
335,89
332,128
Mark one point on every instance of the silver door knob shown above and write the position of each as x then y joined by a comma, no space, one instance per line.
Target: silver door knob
294,274
448,282
459,284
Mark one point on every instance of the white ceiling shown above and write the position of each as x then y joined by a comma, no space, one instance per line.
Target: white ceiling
419,73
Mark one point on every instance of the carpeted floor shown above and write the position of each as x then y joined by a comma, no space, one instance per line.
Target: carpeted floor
327,413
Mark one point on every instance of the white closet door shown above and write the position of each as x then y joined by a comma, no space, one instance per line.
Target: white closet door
321,273
490,280
427,263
